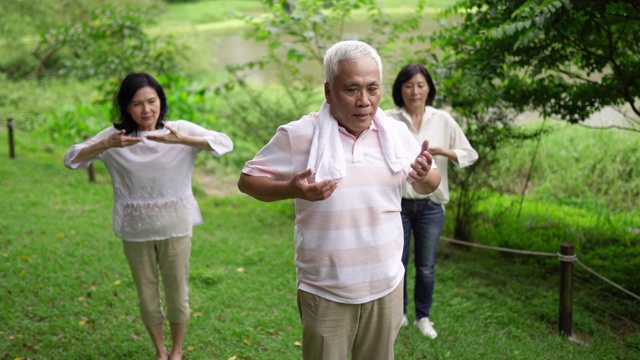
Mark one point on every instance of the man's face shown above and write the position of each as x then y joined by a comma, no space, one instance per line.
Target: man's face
354,94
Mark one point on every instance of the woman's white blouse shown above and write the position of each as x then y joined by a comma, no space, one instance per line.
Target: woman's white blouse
443,131
152,192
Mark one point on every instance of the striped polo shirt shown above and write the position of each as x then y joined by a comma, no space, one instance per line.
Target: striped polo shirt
348,248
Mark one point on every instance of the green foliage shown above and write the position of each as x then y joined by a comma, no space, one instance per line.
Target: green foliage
251,114
562,58
491,64
112,42
21,22
75,123
33,104
602,180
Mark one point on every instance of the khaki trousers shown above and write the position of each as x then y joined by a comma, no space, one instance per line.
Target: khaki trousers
333,331
171,257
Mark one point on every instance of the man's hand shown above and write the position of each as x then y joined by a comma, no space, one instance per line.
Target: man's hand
267,189
422,164
301,188
422,178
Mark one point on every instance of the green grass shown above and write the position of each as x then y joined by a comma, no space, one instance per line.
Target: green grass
67,292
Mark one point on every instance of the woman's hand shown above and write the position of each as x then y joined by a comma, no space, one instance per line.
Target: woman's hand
119,140
173,137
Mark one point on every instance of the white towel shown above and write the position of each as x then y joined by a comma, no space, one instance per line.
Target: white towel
326,156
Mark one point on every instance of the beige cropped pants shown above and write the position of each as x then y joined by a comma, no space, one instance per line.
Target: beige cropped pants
168,258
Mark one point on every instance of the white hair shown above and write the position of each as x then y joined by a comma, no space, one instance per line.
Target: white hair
349,50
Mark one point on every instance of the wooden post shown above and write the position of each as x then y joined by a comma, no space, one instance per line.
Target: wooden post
12,149
92,173
567,256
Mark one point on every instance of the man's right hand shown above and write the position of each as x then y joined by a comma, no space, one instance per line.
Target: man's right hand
311,191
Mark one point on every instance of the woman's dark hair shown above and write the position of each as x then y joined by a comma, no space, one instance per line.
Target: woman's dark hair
405,75
128,88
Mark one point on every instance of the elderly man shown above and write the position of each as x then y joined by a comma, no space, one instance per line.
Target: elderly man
344,166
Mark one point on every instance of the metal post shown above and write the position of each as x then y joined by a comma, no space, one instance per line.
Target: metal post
12,150
567,256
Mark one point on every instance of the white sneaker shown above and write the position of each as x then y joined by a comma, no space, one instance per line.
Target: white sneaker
426,327
405,321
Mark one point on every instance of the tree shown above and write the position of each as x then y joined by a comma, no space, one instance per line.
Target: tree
22,21
563,58
113,41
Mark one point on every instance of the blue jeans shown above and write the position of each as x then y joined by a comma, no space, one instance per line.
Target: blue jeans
426,219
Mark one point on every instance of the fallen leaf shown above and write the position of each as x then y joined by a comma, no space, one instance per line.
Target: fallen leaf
83,322
240,269
60,235
197,314
247,341
232,358
117,282
25,258
30,346
297,343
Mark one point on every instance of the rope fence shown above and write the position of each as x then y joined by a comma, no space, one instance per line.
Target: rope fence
567,259
12,152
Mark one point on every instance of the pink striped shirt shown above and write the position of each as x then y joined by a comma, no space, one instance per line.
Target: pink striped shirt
348,248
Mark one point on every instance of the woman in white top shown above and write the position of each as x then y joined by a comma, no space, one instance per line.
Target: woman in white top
413,94
150,162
